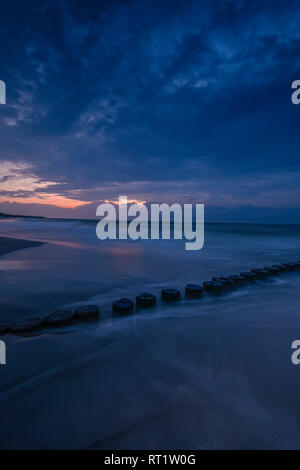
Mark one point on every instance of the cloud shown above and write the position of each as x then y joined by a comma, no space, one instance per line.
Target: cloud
151,97
17,176
18,184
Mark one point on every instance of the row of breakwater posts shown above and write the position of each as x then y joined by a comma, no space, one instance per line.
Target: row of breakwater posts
89,313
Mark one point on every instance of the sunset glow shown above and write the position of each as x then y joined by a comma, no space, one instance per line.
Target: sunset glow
46,199
129,201
19,184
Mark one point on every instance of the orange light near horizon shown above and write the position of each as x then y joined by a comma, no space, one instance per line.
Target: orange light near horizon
47,199
129,201
19,177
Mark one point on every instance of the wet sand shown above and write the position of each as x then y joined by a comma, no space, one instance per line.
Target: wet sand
12,244
209,374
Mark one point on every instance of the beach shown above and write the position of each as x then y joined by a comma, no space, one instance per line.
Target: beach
211,373
150,227
12,244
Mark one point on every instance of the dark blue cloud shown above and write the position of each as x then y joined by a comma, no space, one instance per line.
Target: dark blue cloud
149,92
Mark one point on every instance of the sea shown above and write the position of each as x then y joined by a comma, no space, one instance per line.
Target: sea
209,373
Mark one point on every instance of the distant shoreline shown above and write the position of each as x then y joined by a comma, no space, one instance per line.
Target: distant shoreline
13,244
4,215
94,221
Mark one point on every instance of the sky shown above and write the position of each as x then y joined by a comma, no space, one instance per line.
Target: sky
163,101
